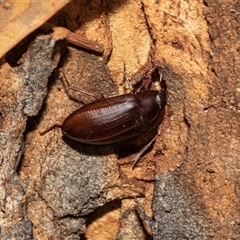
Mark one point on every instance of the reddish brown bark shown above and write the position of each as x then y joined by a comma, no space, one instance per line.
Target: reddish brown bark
187,181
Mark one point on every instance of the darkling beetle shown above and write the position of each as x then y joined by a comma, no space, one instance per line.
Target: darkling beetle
114,119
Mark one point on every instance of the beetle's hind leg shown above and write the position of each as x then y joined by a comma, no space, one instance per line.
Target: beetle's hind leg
56,125
142,151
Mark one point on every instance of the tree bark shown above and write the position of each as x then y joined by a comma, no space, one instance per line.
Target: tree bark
187,184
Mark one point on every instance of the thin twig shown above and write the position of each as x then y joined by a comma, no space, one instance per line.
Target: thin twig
78,40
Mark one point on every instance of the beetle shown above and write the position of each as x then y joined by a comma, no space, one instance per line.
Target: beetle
114,119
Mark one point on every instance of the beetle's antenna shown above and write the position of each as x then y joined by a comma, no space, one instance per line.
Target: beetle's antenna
76,89
56,125
127,79
146,85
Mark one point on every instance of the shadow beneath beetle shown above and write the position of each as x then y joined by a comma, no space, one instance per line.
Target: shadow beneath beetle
122,149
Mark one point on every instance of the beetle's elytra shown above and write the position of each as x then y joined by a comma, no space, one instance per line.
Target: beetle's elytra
114,119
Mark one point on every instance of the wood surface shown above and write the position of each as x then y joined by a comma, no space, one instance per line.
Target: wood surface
187,183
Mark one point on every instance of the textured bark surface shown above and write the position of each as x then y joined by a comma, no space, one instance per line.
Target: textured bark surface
23,89
187,183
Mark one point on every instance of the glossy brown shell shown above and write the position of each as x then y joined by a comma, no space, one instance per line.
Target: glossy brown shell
114,119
